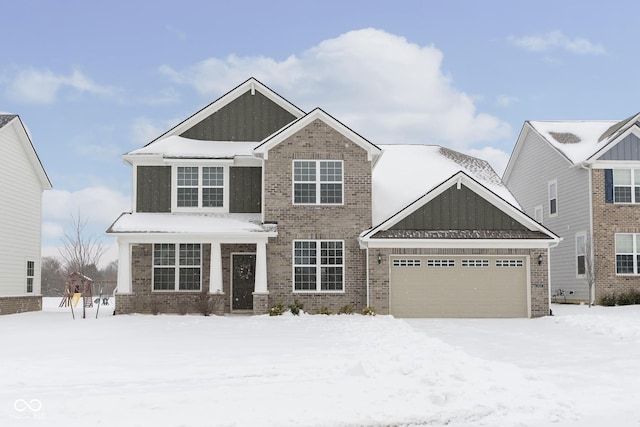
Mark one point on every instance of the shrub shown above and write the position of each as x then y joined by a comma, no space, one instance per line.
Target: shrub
277,310
183,308
368,311
296,307
608,300
347,309
625,298
324,310
635,296
204,303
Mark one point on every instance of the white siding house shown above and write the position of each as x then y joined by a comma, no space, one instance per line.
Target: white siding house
22,181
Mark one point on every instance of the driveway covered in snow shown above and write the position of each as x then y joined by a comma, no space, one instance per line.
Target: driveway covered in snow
578,368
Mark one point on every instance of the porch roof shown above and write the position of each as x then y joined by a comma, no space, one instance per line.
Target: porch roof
191,223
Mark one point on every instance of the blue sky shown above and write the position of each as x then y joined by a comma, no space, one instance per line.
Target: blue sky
94,80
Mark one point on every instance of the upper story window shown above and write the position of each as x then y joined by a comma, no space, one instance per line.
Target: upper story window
553,198
537,213
200,187
31,271
317,182
626,185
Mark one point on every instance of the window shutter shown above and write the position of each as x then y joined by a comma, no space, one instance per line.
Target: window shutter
608,186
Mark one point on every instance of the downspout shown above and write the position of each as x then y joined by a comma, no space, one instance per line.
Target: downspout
591,245
367,266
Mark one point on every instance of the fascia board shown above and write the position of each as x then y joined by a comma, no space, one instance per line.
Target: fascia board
23,136
633,129
458,243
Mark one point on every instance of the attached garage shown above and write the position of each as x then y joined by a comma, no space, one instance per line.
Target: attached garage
459,286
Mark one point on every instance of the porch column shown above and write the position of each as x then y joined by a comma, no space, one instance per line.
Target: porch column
124,267
261,268
215,269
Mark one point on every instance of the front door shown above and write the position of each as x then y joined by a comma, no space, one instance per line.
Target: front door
243,268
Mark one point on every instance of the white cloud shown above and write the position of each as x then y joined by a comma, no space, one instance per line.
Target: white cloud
52,230
505,100
96,204
145,130
558,40
42,87
382,86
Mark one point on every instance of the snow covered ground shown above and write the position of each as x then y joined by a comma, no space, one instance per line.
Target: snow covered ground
578,368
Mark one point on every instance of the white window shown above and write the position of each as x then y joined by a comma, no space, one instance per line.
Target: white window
31,271
200,188
318,265
406,263
317,182
553,198
441,263
177,267
626,185
475,263
509,263
581,254
627,253
537,213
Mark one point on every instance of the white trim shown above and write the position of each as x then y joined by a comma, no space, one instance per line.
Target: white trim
244,237
216,284
632,129
635,253
373,151
614,164
124,266
318,266
225,188
578,235
177,266
458,243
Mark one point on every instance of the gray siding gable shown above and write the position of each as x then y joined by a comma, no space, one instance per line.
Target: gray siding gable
458,209
627,149
248,118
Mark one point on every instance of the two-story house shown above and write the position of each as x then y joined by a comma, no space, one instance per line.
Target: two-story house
22,181
254,202
582,180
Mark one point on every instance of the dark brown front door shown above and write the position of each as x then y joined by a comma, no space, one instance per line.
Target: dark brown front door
243,281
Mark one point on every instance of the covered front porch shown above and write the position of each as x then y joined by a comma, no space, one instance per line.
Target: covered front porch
170,270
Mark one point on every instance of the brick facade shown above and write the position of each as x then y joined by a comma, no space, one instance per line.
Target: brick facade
609,219
379,274
317,141
20,304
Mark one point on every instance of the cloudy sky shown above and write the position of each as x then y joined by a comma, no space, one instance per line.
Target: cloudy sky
93,81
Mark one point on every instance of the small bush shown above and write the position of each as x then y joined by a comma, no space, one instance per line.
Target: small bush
296,307
625,299
204,303
324,310
608,300
347,309
183,308
277,310
368,311
634,294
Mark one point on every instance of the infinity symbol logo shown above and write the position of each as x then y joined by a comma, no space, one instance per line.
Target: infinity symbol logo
22,405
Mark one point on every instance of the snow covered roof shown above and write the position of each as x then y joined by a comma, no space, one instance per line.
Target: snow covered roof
178,147
404,173
225,224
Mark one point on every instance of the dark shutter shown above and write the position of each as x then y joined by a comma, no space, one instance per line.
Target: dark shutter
608,186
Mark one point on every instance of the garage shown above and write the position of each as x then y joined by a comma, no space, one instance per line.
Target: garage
458,286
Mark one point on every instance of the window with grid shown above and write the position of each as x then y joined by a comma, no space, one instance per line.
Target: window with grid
475,263
407,263
177,267
31,271
441,263
317,182
200,186
626,185
509,263
627,253
318,265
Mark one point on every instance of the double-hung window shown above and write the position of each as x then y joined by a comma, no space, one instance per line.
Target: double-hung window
318,265
627,253
317,182
31,271
199,186
177,267
553,198
581,253
626,185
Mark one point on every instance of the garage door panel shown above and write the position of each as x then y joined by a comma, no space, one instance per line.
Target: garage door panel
459,287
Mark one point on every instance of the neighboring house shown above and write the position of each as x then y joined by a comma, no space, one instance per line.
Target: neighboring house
253,202
582,180
22,181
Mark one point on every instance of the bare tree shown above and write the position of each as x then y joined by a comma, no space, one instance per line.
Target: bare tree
80,252
53,277
589,268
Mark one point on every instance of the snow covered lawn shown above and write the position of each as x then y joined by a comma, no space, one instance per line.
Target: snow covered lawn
578,368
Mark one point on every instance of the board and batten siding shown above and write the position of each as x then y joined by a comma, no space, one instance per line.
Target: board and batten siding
20,215
627,149
153,189
537,164
245,189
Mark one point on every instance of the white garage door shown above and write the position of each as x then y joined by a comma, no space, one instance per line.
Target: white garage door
443,286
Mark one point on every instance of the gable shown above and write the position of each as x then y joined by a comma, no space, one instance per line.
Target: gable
250,117
458,209
627,149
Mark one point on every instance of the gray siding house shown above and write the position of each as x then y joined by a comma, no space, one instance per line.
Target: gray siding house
252,202
578,179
